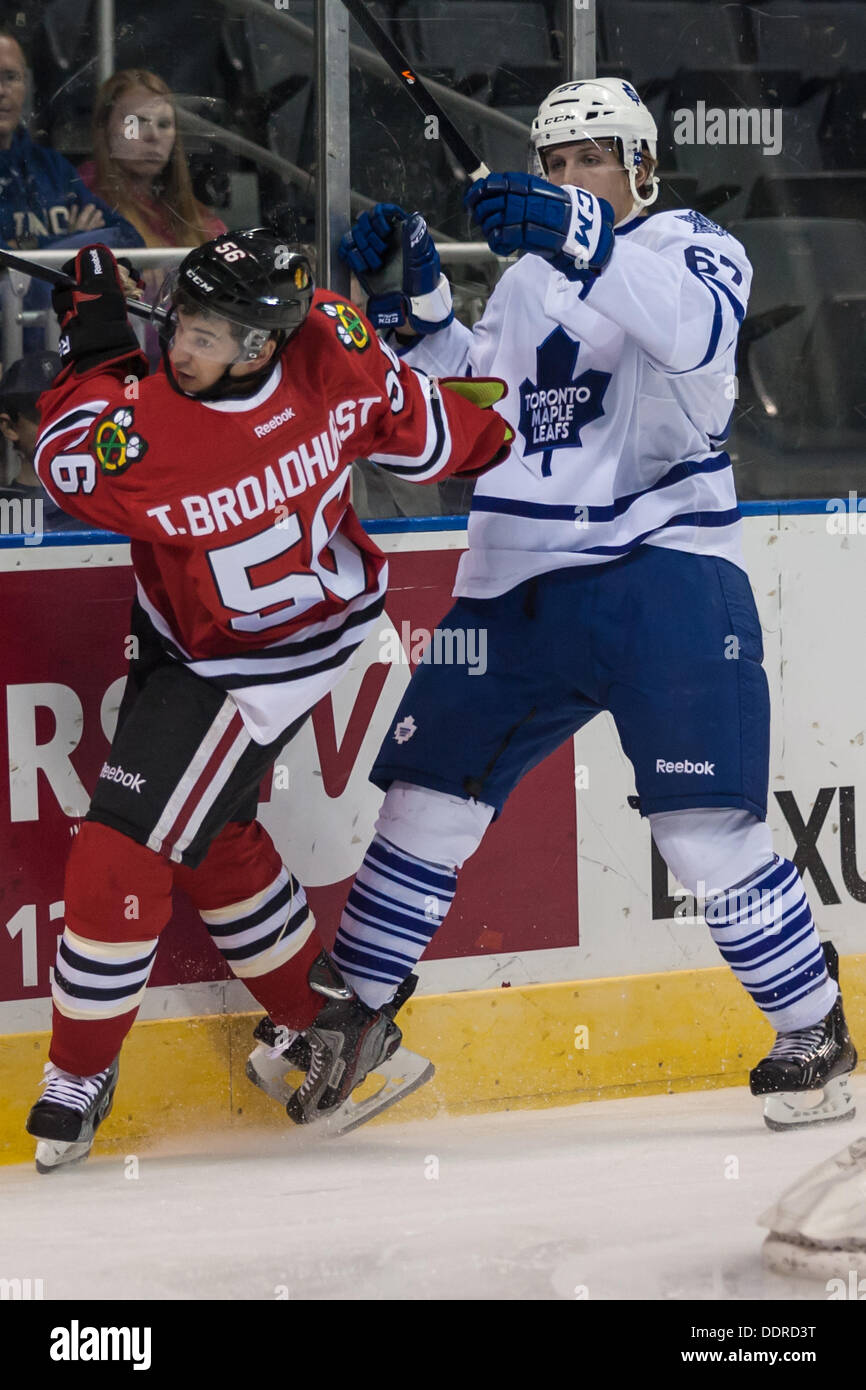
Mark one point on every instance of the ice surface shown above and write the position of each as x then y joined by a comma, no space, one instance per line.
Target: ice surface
630,1199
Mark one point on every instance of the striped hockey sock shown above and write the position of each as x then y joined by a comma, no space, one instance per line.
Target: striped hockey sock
96,990
269,941
765,932
395,905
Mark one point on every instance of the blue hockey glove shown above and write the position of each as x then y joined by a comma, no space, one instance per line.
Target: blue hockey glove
427,291
568,226
372,249
397,264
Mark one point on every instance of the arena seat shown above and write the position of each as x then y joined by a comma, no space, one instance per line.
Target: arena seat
819,37
842,131
517,91
799,379
475,36
654,38
742,89
816,194
64,64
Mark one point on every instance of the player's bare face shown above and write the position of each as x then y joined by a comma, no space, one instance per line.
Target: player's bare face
13,87
201,349
141,133
594,166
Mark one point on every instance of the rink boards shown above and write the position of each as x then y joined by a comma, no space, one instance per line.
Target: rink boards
570,965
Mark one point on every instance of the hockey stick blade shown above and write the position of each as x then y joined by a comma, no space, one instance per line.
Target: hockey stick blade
423,98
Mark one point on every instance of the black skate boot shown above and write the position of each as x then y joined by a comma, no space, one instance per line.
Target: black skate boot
279,1053
817,1061
348,1041
68,1114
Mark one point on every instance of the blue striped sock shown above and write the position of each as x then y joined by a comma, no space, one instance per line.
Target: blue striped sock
765,932
394,906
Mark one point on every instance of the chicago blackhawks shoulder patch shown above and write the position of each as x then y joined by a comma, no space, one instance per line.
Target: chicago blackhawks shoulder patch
351,332
115,445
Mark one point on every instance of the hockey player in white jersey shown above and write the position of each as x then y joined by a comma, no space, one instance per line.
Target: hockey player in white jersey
604,565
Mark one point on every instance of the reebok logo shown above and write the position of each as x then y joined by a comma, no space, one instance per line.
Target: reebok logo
274,422
133,780
704,769
95,262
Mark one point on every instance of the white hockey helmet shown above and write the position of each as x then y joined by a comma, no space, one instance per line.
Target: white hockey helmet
600,108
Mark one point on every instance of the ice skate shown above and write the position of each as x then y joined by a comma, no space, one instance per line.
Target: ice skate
346,1043
68,1114
805,1076
279,1053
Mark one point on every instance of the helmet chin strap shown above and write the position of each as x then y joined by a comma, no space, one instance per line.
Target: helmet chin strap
640,203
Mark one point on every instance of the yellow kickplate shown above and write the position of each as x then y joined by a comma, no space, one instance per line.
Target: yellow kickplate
528,1046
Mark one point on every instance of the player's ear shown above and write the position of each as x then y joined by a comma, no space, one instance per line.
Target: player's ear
644,169
265,355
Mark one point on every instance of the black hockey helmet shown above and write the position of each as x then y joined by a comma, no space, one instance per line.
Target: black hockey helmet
250,278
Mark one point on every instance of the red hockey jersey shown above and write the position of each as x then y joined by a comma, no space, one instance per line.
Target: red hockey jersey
249,559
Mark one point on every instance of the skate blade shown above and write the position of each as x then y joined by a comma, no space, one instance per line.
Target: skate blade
790,1109
52,1154
402,1074
804,1259
269,1074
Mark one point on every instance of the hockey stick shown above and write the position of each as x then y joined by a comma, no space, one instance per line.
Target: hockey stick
66,282
423,98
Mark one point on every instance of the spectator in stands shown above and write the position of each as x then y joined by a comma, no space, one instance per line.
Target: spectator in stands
20,389
139,164
43,201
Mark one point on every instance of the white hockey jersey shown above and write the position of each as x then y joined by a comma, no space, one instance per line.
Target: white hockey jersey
620,393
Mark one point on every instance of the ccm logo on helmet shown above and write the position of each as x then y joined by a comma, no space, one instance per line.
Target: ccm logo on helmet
197,280
707,769
133,780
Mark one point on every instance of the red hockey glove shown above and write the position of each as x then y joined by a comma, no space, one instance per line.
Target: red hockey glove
95,330
485,392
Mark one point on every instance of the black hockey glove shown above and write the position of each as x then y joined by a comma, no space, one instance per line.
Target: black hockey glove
95,330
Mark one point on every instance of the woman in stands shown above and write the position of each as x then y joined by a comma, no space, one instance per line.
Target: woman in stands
139,165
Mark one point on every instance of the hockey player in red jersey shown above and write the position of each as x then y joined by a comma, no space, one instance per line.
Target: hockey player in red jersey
229,469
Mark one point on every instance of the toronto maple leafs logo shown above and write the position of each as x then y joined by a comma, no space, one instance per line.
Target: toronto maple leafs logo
557,405
699,223
115,446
